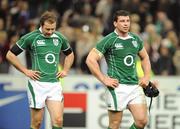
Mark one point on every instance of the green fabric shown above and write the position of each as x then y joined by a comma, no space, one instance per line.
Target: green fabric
44,52
113,96
133,126
31,128
108,128
121,55
32,93
57,127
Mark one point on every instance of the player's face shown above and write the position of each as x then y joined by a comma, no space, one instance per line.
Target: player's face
122,24
48,28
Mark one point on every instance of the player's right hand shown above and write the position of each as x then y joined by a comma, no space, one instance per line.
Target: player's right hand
110,82
34,75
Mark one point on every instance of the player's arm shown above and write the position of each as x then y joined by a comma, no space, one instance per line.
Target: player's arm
146,66
68,61
92,62
11,56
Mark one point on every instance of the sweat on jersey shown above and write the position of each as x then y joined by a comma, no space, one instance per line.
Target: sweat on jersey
44,52
120,54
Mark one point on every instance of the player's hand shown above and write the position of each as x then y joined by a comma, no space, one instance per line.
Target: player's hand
62,74
110,82
34,75
144,81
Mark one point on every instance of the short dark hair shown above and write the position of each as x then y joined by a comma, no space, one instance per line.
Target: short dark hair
48,16
120,13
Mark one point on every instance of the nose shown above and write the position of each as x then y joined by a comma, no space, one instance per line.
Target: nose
50,31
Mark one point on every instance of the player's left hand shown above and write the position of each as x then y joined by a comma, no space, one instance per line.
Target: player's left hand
144,81
62,74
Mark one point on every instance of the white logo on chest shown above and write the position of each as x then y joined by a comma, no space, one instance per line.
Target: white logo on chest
40,42
56,42
134,43
118,46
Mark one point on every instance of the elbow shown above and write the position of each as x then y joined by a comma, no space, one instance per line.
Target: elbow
88,60
8,56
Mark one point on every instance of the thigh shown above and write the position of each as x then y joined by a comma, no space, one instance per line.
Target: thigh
55,109
36,115
138,111
137,105
115,118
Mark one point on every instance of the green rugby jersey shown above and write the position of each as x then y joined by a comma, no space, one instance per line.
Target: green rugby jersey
120,54
44,52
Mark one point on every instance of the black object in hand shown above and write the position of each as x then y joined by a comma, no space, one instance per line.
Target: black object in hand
150,90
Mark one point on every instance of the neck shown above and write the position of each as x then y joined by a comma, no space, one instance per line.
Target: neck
121,34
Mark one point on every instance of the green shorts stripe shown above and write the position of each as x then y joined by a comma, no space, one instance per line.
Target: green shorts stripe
32,93
114,97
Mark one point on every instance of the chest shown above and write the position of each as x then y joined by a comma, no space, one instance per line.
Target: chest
44,45
125,47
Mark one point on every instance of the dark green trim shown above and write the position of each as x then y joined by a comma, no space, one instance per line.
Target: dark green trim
133,126
56,127
113,96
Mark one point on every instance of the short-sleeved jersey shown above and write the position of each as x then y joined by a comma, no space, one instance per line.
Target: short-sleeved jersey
120,54
44,52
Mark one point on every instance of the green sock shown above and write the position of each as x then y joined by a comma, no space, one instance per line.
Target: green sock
133,126
57,127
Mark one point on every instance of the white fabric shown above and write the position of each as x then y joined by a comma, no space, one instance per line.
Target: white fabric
125,95
44,91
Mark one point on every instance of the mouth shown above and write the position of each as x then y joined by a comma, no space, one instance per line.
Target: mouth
48,35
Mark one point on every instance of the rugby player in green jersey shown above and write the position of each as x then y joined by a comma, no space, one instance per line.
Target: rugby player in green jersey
120,49
44,89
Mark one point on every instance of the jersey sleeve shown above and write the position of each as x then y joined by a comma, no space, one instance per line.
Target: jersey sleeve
103,45
65,44
23,43
141,43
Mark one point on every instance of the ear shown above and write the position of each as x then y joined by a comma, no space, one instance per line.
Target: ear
115,24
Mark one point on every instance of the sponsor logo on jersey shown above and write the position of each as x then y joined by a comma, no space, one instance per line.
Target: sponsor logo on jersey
119,46
134,43
56,42
41,42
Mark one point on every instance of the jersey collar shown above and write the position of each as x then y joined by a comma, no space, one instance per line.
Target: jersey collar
123,38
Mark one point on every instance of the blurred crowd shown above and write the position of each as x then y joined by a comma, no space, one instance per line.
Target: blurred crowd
84,22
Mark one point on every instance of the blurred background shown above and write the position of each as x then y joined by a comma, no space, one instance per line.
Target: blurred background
84,22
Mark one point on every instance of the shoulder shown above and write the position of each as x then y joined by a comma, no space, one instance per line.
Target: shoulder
134,36
59,34
110,37
31,35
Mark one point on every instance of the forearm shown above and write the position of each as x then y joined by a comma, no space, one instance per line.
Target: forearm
146,66
68,62
15,62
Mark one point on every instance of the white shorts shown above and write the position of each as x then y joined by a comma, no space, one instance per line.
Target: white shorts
119,98
39,92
